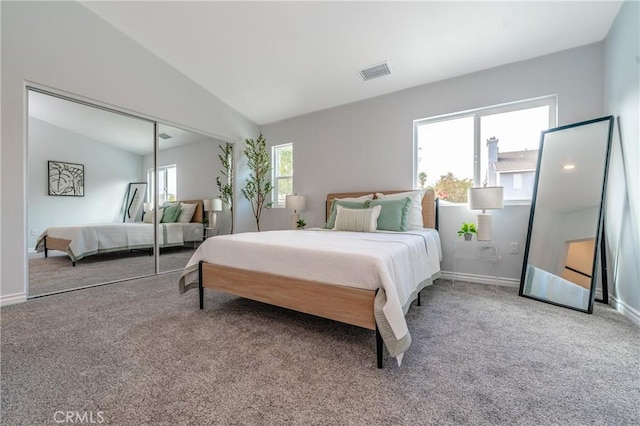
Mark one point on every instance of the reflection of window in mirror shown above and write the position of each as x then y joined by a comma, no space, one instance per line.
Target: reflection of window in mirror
167,184
507,138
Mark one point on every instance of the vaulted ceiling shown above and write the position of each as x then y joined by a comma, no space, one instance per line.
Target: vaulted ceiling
275,60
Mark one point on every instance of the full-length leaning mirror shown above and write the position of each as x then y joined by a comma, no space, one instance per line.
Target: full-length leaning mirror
566,222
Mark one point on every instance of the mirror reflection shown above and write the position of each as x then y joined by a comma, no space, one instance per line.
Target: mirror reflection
109,147
91,186
188,165
566,215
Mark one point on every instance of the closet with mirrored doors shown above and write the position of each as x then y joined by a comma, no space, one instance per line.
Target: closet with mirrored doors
113,196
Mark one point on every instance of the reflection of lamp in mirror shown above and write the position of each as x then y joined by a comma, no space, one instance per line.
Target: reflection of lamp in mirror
216,206
485,198
296,203
211,206
208,206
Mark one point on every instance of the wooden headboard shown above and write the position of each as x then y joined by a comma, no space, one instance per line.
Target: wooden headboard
198,215
429,210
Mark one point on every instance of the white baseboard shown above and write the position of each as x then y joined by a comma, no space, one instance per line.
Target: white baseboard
12,299
626,310
481,279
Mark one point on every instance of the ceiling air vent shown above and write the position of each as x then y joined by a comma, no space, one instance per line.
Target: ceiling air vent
164,136
375,71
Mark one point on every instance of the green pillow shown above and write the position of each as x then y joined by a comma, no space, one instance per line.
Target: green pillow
331,223
394,215
170,214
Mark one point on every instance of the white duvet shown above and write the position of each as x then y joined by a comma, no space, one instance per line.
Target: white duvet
87,240
400,263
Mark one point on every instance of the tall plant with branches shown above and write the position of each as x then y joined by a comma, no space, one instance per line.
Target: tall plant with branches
258,185
225,183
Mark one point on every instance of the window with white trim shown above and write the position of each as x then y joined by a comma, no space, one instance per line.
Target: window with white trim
492,146
167,184
281,173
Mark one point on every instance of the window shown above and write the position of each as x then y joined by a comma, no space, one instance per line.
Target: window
493,146
167,184
282,173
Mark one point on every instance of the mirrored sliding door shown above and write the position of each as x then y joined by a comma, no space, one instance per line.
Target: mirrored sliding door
81,162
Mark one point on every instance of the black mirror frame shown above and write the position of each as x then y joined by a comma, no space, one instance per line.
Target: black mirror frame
599,243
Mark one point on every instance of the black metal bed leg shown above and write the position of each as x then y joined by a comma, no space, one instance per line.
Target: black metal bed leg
73,263
379,347
46,250
200,287
418,298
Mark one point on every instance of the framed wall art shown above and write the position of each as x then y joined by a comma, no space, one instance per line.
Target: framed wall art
134,200
66,179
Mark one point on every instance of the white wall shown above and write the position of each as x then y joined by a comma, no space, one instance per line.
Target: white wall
107,170
64,46
622,100
369,144
197,167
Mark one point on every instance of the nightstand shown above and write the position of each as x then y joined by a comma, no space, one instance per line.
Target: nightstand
482,251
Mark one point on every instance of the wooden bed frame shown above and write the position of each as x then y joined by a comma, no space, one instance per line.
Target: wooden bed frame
345,304
61,244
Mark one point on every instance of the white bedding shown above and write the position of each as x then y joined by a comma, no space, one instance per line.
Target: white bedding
87,240
400,263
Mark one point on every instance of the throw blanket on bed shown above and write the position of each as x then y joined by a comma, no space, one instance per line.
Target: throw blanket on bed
87,240
399,264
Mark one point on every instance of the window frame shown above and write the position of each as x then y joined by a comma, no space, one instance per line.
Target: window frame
151,181
275,176
550,101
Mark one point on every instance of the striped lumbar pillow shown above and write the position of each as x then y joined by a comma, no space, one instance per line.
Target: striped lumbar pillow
357,220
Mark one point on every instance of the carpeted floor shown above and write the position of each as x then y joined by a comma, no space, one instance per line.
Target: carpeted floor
56,273
138,353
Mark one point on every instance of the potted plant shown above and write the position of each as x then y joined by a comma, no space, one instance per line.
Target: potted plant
258,186
225,185
301,223
467,229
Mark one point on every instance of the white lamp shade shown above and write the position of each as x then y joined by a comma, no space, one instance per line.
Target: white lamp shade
296,202
208,205
485,198
216,205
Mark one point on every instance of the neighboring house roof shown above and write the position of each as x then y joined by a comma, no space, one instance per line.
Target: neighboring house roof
517,161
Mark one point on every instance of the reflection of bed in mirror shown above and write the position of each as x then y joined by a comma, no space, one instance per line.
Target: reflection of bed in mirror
87,240
565,226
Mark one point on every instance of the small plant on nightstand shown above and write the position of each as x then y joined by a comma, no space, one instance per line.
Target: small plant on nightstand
301,224
467,229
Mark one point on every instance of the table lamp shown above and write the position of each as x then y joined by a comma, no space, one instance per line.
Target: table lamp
296,203
216,206
485,198
208,206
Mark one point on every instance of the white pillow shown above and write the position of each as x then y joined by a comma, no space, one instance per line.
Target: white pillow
360,198
415,209
148,215
186,212
357,220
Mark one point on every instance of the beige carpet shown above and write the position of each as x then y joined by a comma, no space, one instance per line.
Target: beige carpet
56,273
140,353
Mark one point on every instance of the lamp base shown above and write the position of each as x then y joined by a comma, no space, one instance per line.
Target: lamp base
213,219
484,227
294,220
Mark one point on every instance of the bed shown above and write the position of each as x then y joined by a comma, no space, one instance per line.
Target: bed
86,240
343,276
